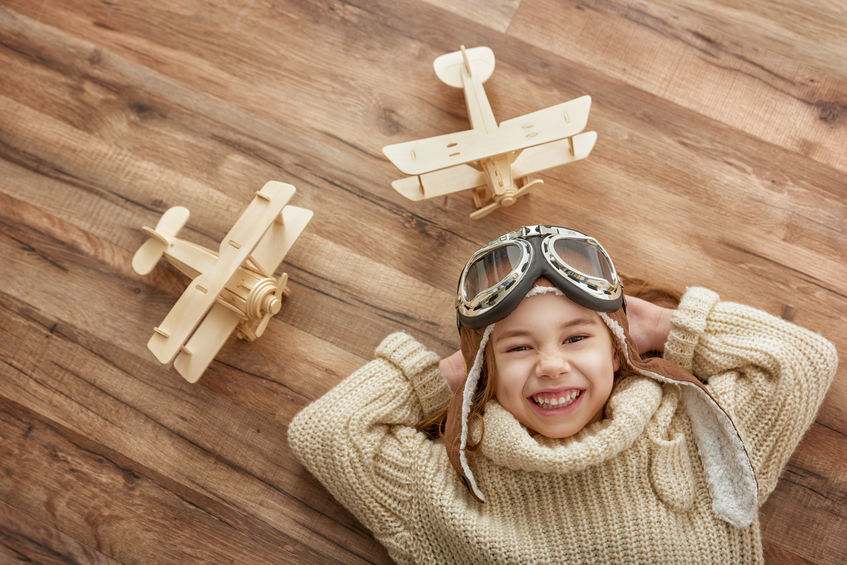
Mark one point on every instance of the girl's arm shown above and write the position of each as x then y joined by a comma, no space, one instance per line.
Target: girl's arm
359,438
769,374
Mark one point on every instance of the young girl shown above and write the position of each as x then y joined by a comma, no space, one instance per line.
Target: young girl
560,443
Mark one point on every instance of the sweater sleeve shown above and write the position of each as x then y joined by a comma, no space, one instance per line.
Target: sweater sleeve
359,438
769,374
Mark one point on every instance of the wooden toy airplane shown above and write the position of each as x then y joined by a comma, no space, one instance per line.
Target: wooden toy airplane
492,159
233,289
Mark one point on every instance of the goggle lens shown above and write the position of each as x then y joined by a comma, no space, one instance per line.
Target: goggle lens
584,256
490,269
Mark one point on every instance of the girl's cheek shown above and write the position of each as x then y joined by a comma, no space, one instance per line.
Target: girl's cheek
600,357
507,371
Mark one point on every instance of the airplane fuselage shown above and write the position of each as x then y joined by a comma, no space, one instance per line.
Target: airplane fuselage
497,169
247,292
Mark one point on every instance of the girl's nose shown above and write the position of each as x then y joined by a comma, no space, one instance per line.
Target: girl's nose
551,364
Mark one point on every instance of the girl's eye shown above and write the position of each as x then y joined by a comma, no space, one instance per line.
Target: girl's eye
518,348
575,338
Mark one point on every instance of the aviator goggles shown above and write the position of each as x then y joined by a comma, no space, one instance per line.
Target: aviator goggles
498,276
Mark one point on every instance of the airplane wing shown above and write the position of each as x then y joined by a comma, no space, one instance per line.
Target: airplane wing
537,128
556,122
439,183
553,154
192,306
273,247
207,340
433,153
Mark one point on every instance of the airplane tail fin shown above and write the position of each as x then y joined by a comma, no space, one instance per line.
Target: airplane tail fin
159,240
478,61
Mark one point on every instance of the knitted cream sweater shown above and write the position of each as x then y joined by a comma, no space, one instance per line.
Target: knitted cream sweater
628,489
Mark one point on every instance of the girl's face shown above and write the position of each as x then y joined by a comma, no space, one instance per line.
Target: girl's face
554,365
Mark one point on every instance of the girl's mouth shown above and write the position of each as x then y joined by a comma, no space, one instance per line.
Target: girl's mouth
556,400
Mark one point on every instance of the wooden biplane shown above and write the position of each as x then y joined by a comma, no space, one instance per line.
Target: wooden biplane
494,160
233,289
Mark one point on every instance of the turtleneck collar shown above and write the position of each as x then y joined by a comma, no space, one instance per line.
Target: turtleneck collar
508,443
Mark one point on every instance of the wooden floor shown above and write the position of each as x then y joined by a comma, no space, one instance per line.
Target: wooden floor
721,161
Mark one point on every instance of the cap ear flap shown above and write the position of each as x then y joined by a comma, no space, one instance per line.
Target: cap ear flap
456,429
726,463
619,329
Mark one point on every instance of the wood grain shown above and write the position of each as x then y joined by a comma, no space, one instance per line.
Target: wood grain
721,161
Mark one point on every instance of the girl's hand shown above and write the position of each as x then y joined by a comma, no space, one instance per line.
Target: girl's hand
453,369
649,324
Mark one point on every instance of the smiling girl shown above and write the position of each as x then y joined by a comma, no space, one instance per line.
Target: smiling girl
554,364
549,439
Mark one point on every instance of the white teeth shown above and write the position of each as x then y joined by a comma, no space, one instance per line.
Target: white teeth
549,401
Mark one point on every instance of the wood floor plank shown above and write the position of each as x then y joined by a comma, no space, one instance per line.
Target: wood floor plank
99,393
111,501
814,484
745,85
496,15
25,540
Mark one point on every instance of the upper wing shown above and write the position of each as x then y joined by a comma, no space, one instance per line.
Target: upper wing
435,153
192,306
272,248
556,122
257,218
206,342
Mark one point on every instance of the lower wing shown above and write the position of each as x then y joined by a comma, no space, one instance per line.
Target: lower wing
439,183
205,343
553,154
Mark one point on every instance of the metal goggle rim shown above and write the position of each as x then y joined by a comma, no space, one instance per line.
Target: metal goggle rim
486,299
599,287
493,295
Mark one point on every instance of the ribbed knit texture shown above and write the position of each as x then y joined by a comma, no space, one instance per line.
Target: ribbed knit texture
628,489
